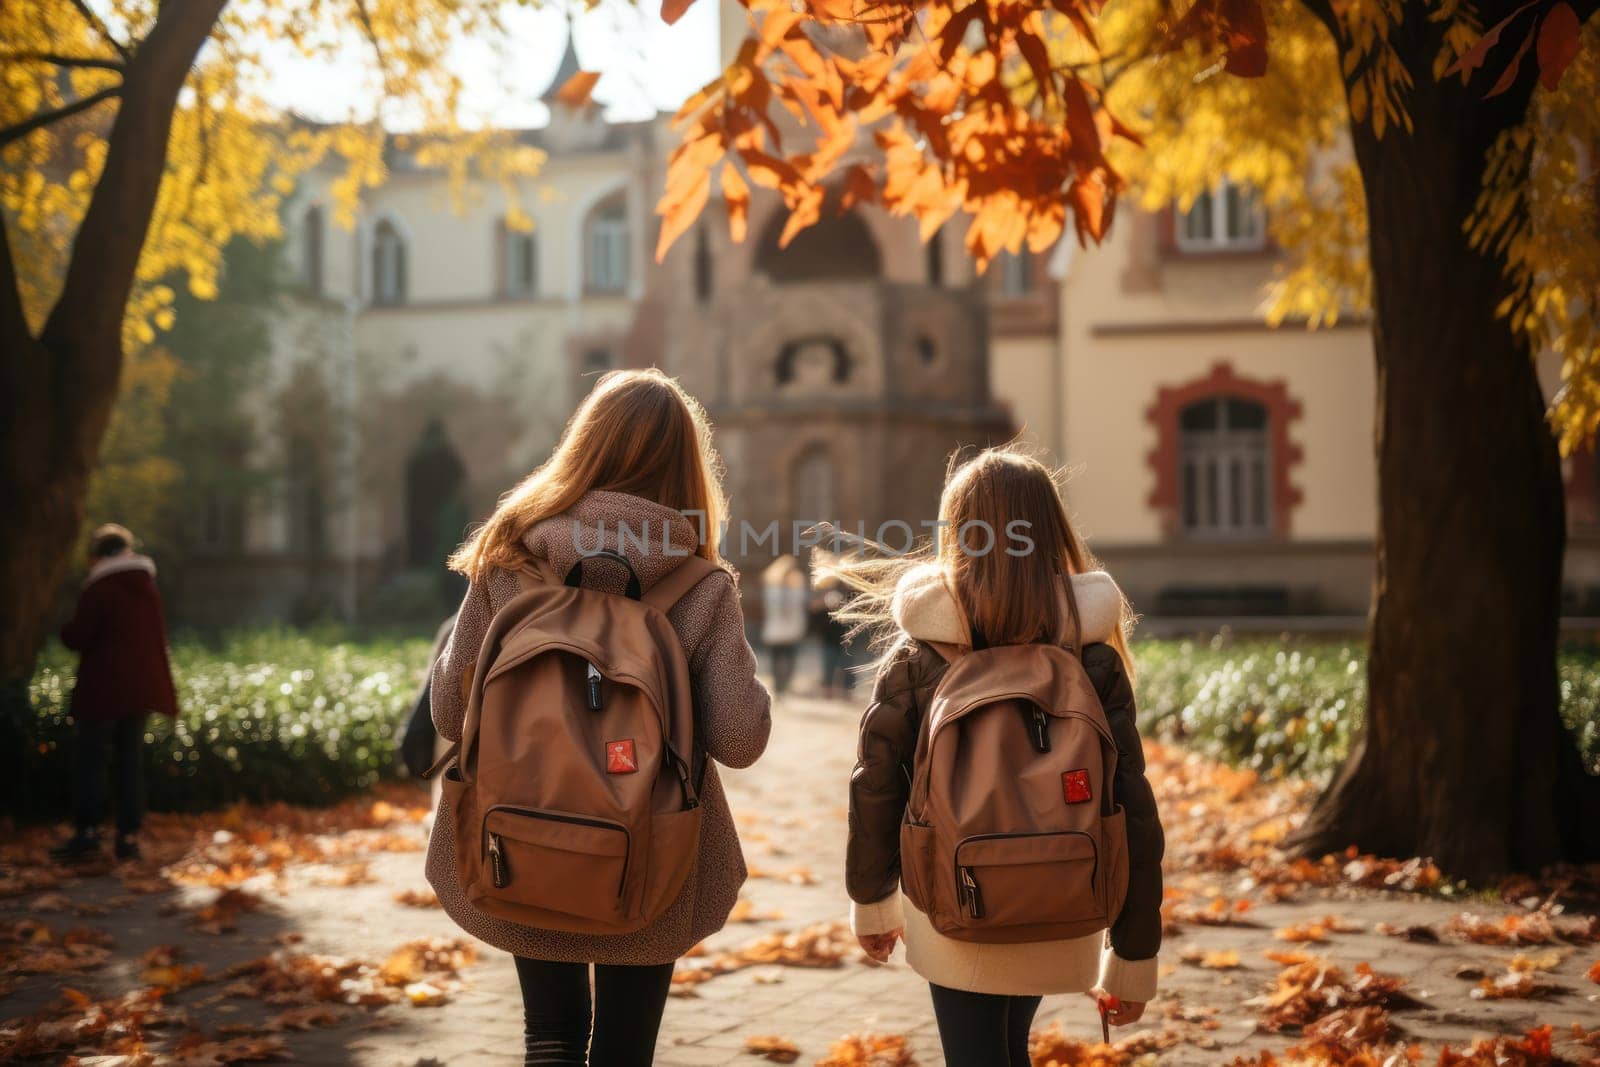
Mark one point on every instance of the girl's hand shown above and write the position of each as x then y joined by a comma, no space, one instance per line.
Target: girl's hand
879,946
1122,1012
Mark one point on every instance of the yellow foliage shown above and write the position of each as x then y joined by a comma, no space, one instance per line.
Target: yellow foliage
1540,208
133,480
231,159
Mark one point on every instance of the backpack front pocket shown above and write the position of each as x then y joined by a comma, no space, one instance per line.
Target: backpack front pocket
1020,880
558,862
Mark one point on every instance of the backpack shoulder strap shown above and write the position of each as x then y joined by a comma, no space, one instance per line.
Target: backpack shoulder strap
674,585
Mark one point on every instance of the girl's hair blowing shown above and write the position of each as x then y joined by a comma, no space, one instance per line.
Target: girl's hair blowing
637,432
1000,499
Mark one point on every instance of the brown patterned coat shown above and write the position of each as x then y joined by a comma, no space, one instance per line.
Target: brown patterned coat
733,706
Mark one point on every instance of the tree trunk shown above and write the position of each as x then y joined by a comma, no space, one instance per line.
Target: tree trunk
57,389
1463,757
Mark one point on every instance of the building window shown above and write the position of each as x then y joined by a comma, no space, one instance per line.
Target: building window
596,362
1017,273
1225,218
933,256
606,247
388,264
812,482
1224,458
311,250
1225,464
703,275
813,362
436,512
519,262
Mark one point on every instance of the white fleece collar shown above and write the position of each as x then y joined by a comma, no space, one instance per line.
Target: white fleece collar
128,561
926,608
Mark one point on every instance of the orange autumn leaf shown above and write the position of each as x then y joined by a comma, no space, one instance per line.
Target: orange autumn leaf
576,91
681,214
736,198
772,1048
673,10
1558,44
806,210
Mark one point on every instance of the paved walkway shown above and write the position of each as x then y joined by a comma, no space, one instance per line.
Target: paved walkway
792,817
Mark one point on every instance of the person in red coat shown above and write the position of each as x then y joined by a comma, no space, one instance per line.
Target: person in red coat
123,676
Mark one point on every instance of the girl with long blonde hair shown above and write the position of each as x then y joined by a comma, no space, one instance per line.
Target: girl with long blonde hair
634,474
1007,569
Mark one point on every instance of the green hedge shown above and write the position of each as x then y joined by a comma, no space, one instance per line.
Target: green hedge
309,717
1291,705
304,717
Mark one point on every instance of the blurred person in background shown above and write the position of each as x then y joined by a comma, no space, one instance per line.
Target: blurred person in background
828,596
784,617
123,676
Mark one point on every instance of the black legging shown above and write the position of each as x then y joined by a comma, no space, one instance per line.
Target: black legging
983,1029
556,1017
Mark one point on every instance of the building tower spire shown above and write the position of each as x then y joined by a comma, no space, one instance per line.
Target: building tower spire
564,73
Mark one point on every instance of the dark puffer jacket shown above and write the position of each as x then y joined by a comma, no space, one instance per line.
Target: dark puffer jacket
881,784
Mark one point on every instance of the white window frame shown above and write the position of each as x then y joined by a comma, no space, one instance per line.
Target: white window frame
607,249
1212,208
1223,474
1017,274
512,243
313,252
390,269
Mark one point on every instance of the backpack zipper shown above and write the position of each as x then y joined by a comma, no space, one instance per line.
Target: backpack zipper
1041,730
969,887
495,845
497,862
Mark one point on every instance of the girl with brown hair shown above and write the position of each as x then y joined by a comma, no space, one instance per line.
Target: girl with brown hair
1008,569
634,474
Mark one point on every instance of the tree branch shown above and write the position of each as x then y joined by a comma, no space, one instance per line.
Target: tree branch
100,27
45,118
13,322
59,60
84,329
1323,12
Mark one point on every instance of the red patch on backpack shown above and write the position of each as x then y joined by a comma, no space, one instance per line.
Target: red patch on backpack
1075,786
619,757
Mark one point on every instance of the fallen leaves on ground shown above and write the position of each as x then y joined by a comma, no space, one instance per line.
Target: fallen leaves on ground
1419,932
869,1050
794,875
1216,960
423,973
28,946
221,916
1309,988
771,1047
826,944
1316,930
1054,1047
417,898
1521,979
1529,929
160,968
1533,1049
117,1026
745,912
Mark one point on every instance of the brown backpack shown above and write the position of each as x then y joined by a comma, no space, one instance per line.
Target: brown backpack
1011,833
575,793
